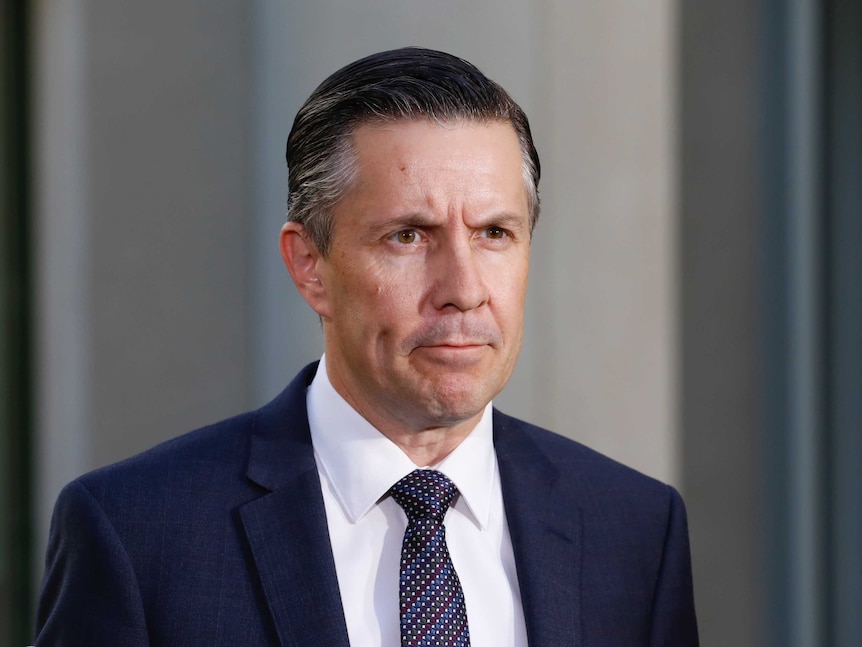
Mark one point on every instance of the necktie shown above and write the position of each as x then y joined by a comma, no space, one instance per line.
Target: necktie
432,602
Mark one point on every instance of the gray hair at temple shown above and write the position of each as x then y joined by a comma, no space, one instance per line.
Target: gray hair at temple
408,83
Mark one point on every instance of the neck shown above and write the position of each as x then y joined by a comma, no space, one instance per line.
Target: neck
430,446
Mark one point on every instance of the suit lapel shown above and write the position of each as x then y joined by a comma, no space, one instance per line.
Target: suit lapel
545,525
286,528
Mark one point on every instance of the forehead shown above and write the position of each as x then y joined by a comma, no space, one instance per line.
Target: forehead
422,173
435,153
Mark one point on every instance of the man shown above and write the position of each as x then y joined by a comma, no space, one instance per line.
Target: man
380,500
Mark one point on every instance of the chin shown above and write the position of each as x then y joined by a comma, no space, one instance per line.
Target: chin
450,407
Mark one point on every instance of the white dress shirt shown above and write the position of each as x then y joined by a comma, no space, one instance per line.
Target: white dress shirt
357,466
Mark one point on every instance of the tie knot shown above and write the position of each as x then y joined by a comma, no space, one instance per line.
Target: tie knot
424,493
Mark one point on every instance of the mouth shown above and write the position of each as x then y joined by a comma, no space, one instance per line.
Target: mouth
453,337
455,345
452,354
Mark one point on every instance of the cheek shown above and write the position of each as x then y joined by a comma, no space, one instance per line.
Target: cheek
394,288
509,282
393,307
509,293
376,302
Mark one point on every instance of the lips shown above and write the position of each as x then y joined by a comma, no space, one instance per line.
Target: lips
455,335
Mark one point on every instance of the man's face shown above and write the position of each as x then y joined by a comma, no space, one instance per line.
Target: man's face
423,287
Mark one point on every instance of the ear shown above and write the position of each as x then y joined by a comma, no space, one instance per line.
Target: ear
303,260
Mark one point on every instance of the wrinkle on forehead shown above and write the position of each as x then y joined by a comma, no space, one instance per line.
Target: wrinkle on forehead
439,169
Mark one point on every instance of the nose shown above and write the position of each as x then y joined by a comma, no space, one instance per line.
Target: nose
459,278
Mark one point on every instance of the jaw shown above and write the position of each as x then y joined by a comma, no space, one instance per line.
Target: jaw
449,387
404,390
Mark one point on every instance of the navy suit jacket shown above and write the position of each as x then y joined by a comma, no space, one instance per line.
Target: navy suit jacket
219,537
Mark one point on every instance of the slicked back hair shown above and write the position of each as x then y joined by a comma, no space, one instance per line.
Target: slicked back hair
401,84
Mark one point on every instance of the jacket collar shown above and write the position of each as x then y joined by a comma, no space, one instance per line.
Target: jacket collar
286,527
545,525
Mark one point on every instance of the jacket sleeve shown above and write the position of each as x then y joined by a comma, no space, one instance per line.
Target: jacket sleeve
673,617
90,595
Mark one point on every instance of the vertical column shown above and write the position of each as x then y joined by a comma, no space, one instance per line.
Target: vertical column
797,374
843,65
16,555
142,214
604,277
61,216
805,350
718,274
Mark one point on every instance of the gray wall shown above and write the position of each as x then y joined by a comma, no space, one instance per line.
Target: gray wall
142,194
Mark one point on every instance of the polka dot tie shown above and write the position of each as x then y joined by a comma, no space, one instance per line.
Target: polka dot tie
432,602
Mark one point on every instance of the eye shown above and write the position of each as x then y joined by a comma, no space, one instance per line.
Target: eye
496,233
405,236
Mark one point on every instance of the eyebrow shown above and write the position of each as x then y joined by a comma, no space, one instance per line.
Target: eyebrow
505,219
411,219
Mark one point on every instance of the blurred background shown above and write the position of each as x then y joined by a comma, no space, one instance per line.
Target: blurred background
695,306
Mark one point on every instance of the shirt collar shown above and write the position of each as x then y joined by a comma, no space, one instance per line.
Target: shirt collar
361,464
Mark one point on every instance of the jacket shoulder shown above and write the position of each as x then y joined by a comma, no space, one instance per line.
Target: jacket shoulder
575,461
222,450
221,445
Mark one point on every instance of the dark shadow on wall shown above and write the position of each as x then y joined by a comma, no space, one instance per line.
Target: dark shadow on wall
15,371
